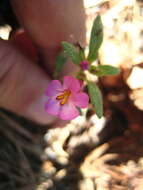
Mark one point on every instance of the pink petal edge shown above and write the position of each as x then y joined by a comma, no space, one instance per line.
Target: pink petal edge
80,99
52,107
53,87
71,83
68,112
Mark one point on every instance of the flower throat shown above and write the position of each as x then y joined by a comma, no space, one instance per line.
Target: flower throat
64,97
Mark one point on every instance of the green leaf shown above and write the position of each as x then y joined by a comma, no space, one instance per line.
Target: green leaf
60,62
96,98
71,51
81,52
96,39
82,55
104,70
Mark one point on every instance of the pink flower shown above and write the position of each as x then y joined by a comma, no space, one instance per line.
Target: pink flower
84,65
63,100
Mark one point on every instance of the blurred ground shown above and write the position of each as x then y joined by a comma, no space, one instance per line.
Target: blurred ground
105,154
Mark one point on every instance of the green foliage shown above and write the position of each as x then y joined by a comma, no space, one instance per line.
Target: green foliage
96,39
104,70
82,55
60,62
95,98
71,51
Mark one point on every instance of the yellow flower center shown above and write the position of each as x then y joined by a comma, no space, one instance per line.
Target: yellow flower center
64,97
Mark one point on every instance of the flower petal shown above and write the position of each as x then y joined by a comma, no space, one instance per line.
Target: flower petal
53,88
68,112
71,83
80,99
52,106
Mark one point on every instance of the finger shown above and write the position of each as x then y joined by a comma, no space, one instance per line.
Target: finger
49,22
22,85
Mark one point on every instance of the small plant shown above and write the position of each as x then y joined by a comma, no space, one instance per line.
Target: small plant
65,101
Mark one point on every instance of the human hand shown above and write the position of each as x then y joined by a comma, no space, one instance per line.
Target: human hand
23,82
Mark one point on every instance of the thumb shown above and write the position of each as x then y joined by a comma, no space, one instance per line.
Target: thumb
22,85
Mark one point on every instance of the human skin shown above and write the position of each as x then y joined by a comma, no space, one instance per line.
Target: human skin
47,22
